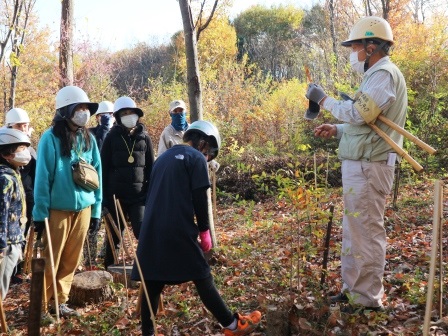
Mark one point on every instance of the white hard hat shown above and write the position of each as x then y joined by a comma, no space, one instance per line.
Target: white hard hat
9,136
370,28
126,103
105,107
16,115
177,104
69,95
207,128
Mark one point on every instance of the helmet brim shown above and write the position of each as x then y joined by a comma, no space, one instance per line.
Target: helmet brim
134,109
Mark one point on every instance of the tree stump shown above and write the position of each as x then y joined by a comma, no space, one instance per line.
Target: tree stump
91,287
119,275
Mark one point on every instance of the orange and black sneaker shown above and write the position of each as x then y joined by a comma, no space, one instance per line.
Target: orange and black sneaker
246,324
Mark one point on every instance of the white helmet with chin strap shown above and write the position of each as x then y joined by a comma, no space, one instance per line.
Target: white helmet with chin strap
371,30
105,107
73,95
16,115
210,130
10,136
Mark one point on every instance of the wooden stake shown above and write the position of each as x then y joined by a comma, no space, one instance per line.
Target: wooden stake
145,290
2,315
37,289
111,242
435,237
29,251
53,275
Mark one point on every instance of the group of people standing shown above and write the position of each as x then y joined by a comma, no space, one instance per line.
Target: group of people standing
121,152
165,200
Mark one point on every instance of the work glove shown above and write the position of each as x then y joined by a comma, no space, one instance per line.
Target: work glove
206,240
104,211
214,166
39,227
94,225
315,93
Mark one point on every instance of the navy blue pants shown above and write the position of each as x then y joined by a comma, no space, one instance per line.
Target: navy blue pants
207,292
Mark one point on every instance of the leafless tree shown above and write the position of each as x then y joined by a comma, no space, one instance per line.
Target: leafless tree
13,26
192,32
66,44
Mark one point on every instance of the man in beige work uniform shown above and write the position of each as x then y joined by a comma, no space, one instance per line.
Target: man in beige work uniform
367,160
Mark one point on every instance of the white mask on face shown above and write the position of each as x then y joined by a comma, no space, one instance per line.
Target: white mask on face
357,65
80,118
23,157
130,120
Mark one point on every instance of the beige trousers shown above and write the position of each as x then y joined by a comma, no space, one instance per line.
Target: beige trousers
365,187
68,230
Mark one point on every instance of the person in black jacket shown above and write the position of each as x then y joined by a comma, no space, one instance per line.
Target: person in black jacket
127,157
105,119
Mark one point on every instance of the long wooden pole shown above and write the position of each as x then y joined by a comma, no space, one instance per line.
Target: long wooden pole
142,278
29,251
2,316
432,268
53,275
406,134
400,151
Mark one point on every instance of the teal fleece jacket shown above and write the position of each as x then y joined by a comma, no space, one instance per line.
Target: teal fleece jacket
54,187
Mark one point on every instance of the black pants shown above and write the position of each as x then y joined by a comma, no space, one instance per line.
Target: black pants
133,213
207,292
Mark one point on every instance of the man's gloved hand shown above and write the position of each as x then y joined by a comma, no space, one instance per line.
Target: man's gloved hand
206,240
39,227
214,166
315,93
94,225
104,211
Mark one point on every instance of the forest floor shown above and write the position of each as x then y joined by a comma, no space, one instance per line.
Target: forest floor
269,258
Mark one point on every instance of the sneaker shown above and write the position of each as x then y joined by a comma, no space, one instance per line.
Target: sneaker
341,297
65,311
246,324
16,279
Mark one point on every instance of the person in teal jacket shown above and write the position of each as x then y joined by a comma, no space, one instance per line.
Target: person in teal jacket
71,210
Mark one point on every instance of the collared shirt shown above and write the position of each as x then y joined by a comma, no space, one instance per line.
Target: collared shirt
379,86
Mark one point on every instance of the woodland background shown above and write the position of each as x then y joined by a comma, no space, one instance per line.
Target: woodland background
276,181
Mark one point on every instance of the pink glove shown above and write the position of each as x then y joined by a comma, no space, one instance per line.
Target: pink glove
206,240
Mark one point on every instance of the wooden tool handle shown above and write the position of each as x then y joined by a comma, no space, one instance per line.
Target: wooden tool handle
408,135
400,151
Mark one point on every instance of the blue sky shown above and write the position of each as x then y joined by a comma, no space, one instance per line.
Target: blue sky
121,24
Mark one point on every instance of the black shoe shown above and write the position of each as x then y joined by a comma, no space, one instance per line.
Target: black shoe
16,279
341,297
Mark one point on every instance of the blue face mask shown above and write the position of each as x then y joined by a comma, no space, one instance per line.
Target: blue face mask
179,121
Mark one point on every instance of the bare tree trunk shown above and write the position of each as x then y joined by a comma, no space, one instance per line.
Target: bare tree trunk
386,8
193,79
66,41
333,31
18,39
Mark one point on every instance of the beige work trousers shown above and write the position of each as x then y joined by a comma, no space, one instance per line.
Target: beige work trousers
68,230
365,187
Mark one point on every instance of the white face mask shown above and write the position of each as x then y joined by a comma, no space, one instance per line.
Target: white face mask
80,118
130,120
23,157
357,65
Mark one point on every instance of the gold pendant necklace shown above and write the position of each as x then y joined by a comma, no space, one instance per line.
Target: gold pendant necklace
130,158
